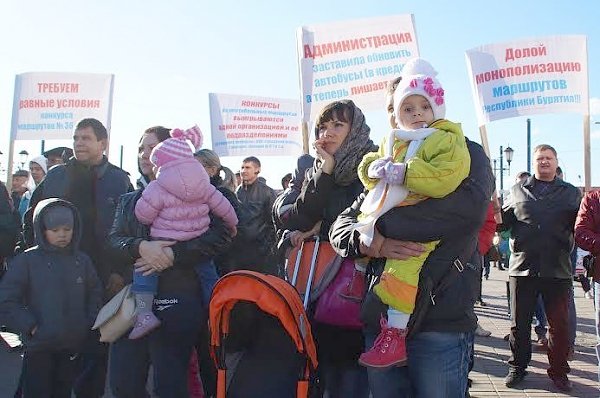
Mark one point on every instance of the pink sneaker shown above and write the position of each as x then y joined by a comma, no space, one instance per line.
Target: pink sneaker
388,350
355,290
144,324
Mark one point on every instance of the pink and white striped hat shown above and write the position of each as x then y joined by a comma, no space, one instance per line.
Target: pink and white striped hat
177,147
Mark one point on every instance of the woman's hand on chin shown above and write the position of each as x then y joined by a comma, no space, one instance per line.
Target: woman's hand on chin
327,160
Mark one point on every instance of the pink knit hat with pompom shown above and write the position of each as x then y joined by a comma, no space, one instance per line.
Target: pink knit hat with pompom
177,147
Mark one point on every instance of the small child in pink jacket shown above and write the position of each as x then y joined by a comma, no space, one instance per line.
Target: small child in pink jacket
176,206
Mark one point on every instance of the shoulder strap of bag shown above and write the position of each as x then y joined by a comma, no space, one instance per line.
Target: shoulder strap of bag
455,270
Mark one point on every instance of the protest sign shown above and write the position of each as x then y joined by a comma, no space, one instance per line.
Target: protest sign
531,76
47,105
353,59
243,125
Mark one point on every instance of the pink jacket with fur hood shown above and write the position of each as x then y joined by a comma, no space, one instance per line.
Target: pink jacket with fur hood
177,203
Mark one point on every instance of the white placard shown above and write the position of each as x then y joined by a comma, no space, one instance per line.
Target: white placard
530,76
47,105
353,59
243,125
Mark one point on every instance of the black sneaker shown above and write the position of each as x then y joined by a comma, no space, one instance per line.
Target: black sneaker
514,377
562,383
541,344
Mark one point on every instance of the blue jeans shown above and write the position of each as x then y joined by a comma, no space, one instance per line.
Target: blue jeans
207,275
438,367
572,318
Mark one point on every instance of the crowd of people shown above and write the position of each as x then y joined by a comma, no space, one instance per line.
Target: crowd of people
411,221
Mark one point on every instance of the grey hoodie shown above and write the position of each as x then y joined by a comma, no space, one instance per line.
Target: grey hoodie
56,290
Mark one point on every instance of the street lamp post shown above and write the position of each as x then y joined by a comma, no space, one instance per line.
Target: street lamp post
23,155
508,152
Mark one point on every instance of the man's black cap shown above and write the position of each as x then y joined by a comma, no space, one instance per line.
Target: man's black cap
61,151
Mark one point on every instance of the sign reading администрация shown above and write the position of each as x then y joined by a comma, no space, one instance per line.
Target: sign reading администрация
353,60
530,76
47,105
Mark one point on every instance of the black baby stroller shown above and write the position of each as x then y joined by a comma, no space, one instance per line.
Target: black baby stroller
260,338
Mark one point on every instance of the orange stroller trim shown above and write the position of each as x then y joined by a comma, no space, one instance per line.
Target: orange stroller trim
309,267
273,296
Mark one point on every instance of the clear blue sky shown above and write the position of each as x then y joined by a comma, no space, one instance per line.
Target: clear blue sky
167,57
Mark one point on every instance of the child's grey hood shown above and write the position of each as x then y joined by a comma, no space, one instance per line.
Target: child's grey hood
38,229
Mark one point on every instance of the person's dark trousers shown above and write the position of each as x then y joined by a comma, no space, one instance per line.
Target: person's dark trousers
91,365
540,315
129,366
345,380
555,295
585,282
486,266
168,348
572,319
47,374
208,371
508,299
480,284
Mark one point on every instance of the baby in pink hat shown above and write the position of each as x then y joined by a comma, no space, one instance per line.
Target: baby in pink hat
176,206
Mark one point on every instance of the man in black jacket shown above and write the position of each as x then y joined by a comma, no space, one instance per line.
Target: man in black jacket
94,186
257,201
541,215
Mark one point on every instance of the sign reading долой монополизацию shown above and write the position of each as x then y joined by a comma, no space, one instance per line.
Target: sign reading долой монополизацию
529,76
47,105
244,124
353,59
